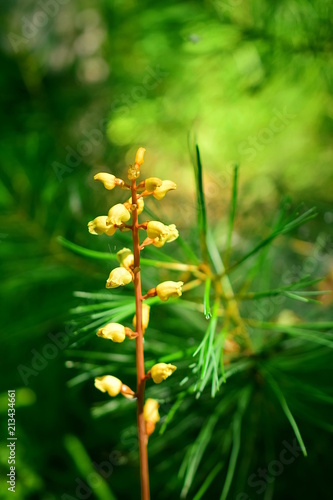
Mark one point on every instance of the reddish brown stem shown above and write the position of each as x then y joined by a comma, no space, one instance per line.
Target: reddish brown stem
140,366
145,243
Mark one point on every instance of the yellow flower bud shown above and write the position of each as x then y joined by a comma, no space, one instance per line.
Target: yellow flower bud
152,183
130,207
109,384
160,233
112,331
162,190
156,229
125,258
139,157
150,411
161,371
133,173
145,316
150,427
173,233
107,179
118,214
169,289
100,225
118,277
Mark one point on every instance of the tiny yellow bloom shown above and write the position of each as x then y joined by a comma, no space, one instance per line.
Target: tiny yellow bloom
152,183
150,411
112,331
133,173
169,289
162,190
109,384
107,179
156,229
172,233
145,316
160,233
100,226
118,277
139,157
161,371
118,214
130,207
125,258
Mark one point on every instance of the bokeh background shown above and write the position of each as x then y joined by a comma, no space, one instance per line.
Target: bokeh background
83,84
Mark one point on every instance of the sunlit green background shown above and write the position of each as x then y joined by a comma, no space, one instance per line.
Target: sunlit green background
83,84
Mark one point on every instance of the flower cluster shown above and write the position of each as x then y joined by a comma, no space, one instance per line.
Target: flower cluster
157,234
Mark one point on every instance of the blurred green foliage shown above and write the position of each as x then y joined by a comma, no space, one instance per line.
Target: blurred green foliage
84,84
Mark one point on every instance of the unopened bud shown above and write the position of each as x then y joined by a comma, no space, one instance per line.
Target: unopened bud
107,179
161,371
160,233
169,289
112,331
108,383
125,258
118,214
150,411
133,173
145,317
139,157
152,183
162,190
130,207
100,226
156,229
118,277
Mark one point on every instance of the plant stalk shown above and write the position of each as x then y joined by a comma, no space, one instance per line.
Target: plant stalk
140,366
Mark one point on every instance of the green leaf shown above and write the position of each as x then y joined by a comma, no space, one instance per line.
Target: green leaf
232,214
208,481
86,469
285,408
93,254
173,410
244,398
206,303
289,225
86,252
299,331
201,203
196,451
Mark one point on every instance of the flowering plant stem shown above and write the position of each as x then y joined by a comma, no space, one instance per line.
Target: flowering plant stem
140,368
129,271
